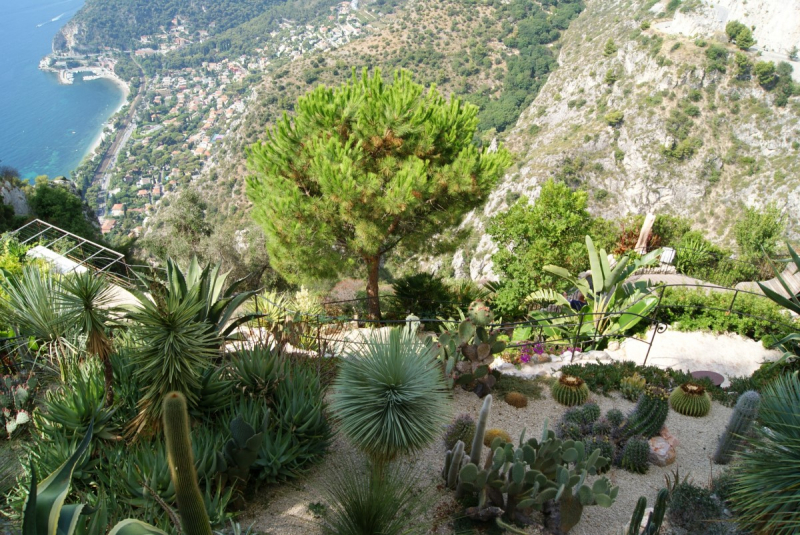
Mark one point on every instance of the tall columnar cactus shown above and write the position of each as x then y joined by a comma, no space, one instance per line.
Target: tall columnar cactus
570,390
194,519
650,413
744,414
690,399
480,430
655,519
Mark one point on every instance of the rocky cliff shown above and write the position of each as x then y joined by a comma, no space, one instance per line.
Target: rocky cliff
648,117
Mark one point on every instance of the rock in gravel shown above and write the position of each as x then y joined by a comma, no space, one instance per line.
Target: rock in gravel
662,453
669,437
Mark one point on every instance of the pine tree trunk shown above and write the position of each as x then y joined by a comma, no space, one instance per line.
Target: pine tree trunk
373,265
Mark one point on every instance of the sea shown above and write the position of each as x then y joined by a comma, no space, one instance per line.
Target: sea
46,128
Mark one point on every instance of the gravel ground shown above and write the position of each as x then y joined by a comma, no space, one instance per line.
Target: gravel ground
284,509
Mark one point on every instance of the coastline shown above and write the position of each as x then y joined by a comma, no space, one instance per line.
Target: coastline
101,135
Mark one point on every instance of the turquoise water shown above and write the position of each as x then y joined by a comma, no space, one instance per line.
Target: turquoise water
45,128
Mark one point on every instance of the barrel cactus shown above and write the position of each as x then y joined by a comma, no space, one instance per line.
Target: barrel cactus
635,455
570,390
690,399
741,421
516,399
463,429
493,433
650,413
615,417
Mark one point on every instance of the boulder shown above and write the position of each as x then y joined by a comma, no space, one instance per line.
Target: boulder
662,453
669,437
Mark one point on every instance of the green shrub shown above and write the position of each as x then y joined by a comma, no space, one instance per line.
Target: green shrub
752,316
765,74
692,508
422,294
614,118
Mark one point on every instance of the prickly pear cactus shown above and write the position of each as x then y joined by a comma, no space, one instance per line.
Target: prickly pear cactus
480,314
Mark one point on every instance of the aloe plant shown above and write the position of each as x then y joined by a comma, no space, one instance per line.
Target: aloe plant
613,304
45,513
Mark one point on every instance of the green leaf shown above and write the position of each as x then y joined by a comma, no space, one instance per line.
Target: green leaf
135,527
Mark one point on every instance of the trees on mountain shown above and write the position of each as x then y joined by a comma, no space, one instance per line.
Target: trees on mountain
740,34
362,167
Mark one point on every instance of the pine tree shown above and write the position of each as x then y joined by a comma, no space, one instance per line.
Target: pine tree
361,167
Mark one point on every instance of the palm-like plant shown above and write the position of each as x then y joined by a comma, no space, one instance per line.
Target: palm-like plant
766,493
31,304
390,396
613,303
791,342
87,301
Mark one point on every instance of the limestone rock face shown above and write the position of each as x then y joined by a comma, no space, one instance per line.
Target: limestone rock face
15,197
746,153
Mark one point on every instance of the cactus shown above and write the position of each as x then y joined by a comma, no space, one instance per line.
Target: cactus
690,399
650,413
515,399
615,417
569,430
462,428
480,429
241,451
744,414
635,455
632,386
494,433
194,519
590,412
546,475
480,314
570,390
452,466
467,353
16,402
655,519
606,447
601,427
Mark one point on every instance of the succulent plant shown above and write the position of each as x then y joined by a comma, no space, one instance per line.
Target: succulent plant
654,520
515,399
241,450
16,401
569,430
463,429
744,414
632,386
606,447
650,413
194,518
635,455
479,313
494,433
601,427
690,399
590,412
467,353
615,417
570,390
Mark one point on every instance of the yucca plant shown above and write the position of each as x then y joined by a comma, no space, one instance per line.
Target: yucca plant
87,299
32,306
766,493
791,342
364,502
390,396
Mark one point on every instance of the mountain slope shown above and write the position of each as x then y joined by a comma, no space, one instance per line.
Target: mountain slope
649,123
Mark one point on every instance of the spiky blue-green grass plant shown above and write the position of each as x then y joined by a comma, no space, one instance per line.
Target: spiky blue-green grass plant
390,396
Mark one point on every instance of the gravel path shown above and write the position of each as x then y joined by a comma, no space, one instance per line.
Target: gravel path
284,509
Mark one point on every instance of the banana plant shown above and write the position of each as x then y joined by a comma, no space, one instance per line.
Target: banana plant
613,303
45,513
791,342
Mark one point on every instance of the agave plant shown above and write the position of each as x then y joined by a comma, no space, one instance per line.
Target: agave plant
766,496
45,513
390,396
790,343
613,304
